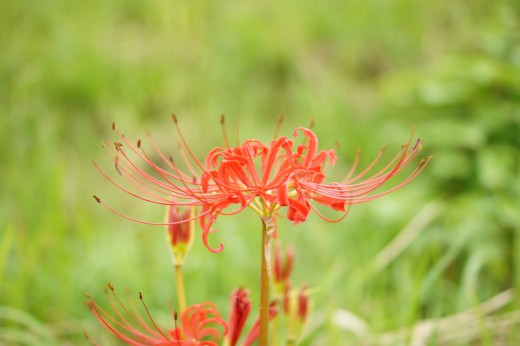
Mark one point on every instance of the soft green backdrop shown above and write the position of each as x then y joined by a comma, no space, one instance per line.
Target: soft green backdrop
365,71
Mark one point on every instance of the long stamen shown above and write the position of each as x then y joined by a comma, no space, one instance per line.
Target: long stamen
347,180
150,316
135,316
279,122
90,339
131,166
174,117
147,222
224,132
237,133
345,213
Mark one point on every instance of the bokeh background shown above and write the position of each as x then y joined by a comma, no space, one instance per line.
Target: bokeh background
428,256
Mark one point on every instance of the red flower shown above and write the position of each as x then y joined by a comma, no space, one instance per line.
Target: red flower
263,177
200,324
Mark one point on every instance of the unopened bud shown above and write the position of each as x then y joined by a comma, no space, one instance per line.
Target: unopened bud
179,232
239,311
282,270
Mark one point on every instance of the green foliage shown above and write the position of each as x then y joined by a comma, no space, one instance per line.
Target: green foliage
366,72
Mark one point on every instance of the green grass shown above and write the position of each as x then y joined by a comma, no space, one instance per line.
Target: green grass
366,72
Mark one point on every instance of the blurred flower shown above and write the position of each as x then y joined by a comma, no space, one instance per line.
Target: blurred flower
179,235
296,308
200,324
263,177
240,307
238,313
282,272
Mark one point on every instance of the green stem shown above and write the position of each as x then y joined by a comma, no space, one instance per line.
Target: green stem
267,236
181,294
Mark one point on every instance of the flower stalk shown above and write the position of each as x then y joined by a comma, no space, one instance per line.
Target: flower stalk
268,230
181,292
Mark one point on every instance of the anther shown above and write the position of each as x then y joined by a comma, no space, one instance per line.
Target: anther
424,161
87,295
417,144
113,125
279,122
175,315
111,286
311,125
170,157
174,117
224,132
116,164
138,143
140,296
96,198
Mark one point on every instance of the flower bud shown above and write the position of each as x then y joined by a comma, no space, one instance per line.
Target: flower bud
179,232
282,271
239,311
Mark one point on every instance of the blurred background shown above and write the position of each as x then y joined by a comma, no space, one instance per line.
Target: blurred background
436,263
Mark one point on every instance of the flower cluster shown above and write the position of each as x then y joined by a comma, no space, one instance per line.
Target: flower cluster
263,177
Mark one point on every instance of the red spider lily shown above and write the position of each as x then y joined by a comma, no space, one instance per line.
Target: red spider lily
263,177
200,324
